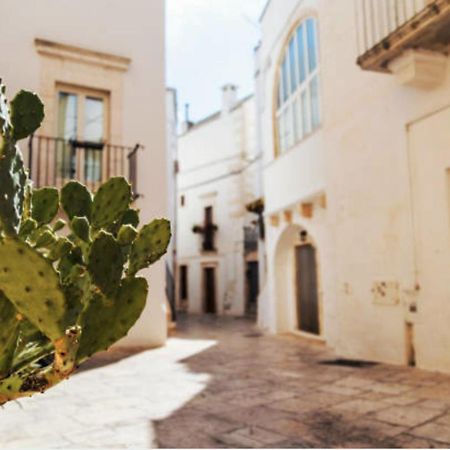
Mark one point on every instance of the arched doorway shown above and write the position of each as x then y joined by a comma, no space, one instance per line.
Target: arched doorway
297,282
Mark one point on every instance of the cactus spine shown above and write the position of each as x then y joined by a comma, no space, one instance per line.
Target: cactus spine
63,297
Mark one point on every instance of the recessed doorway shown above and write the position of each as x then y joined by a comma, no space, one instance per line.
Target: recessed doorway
306,289
209,290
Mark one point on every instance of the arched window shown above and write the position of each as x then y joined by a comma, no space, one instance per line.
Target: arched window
297,107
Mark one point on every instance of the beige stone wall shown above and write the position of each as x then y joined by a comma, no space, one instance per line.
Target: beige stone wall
105,45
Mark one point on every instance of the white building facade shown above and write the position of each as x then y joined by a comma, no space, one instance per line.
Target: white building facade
357,176
216,236
99,69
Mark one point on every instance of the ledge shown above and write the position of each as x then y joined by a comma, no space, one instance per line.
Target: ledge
83,55
429,29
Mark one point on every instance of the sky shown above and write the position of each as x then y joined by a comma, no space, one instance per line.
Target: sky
210,43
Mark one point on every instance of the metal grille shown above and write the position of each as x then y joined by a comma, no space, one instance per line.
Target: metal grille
54,161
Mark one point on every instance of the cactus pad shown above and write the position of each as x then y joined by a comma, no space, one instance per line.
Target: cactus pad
27,113
150,244
9,332
126,235
106,263
5,121
80,227
107,320
130,217
110,202
44,204
76,200
32,286
27,227
12,188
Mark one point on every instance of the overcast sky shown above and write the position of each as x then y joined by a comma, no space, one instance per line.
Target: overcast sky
210,43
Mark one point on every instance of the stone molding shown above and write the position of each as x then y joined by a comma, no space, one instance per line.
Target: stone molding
83,55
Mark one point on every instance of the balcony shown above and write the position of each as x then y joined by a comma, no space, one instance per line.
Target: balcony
54,161
418,31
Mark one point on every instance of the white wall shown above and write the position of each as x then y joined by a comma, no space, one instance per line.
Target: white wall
135,31
359,158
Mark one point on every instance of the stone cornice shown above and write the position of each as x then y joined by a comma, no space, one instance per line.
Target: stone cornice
83,55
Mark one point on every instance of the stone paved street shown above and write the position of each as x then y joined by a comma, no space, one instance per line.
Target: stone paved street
220,383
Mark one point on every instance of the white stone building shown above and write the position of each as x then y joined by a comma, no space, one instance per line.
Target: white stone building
216,236
357,175
99,69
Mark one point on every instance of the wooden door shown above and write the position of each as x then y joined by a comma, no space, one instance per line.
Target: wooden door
209,289
306,283
252,287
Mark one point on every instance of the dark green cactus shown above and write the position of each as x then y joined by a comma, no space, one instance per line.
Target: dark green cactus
63,297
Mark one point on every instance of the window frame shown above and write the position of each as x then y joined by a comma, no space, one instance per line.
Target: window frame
294,104
82,93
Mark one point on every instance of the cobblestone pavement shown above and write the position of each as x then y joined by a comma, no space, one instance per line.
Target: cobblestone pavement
220,383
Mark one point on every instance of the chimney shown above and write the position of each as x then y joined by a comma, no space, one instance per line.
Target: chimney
186,124
229,97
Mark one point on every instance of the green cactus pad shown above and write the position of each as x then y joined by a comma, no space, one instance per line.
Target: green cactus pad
130,217
32,345
106,320
27,227
150,244
5,121
27,114
76,200
59,225
60,248
12,187
67,262
44,204
112,199
45,238
9,333
32,286
106,263
80,227
126,235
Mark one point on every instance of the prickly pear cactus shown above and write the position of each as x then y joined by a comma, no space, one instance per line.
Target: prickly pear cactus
68,286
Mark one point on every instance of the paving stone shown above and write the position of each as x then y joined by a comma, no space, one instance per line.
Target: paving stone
440,405
341,390
254,437
360,406
435,431
410,441
401,400
406,415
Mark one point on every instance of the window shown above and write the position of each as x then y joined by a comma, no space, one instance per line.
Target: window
298,100
82,120
209,229
182,200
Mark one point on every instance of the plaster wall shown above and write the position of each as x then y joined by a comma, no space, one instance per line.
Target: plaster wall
137,95
360,158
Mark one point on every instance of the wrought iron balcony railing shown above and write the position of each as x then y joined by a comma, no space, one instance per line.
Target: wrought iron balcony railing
385,28
54,161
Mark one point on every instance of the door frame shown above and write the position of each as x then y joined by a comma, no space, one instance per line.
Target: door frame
215,267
